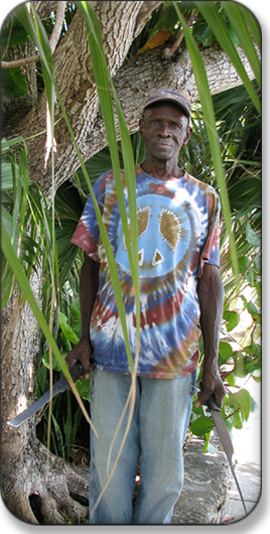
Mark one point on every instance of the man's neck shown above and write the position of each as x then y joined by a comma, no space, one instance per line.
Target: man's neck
162,170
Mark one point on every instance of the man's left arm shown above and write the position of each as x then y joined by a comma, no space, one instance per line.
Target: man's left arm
211,299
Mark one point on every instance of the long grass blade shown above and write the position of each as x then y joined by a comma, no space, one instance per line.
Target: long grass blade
209,118
105,86
238,23
253,24
24,284
219,29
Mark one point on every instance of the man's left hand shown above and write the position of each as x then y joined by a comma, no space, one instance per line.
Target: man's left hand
211,385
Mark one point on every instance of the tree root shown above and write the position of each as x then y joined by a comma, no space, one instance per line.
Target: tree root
53,492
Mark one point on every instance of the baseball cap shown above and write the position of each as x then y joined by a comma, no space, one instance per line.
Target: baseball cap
170,96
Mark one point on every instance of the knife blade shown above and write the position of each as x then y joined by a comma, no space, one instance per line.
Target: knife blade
226,441
61,385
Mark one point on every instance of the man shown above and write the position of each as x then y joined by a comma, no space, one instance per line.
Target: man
178,221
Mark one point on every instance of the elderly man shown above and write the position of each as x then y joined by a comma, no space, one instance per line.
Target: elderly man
181,296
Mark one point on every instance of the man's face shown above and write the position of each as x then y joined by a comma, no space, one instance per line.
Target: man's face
164,128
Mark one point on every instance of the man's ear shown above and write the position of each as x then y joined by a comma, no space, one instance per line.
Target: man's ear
188,134
141,127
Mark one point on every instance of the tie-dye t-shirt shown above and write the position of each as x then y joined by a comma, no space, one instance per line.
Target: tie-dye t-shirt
178,222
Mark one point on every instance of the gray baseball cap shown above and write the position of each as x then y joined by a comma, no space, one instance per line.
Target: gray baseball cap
170,96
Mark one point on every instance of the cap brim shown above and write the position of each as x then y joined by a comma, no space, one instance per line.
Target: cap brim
168,100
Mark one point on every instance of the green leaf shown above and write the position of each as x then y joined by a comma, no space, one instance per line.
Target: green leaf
75,319
238,23
202,425
59,437
209,117
253,310
13,83
105,87
253,238
203,34
240,368
6,176
253,24
67,330
13,35
21,278
232,319
46,362
236,420
218,27
231,33
246,269
36,30
240,401
225,350
83,388
253,350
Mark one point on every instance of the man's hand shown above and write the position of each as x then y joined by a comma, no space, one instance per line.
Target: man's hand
82,352
211,385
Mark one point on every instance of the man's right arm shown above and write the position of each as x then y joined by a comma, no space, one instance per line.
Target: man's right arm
88,292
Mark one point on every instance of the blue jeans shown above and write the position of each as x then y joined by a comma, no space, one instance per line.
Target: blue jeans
157,433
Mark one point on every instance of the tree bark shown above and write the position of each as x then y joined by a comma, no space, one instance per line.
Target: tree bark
37,487
134,79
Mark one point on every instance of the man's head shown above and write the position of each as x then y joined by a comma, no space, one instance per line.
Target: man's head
164,125
163,95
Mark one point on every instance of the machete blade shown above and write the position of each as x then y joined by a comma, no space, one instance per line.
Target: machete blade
226,441
61,385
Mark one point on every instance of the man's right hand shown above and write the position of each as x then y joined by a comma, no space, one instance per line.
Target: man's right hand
82,352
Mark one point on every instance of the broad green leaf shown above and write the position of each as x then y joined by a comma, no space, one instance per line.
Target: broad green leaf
203,34
13,83
236,421
50,365
240,368
202,425
232,319
67,330
225,350
240,401
13,35
245,267
252,309
75,319
253,238
83,388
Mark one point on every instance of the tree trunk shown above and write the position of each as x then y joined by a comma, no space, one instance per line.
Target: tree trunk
37,487
135,79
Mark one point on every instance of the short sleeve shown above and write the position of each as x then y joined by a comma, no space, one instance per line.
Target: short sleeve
211,246
87,233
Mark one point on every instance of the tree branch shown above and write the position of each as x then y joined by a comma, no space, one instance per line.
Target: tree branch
144,15
55,36
20,62
61,6
168,52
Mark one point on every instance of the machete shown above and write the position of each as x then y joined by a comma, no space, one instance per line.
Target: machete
61,385
225,439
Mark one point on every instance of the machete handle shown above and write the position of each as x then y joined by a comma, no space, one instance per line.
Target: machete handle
211,403
76,371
